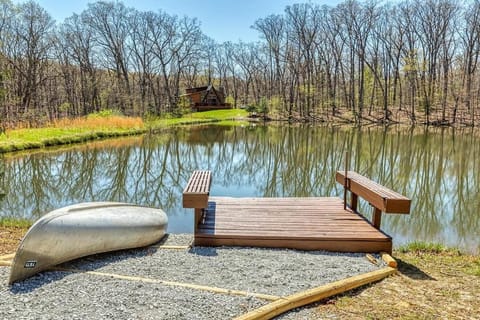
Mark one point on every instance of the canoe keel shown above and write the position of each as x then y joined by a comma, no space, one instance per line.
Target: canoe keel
85,229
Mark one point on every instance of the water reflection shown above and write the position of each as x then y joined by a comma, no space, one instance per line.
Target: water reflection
438,170
2,178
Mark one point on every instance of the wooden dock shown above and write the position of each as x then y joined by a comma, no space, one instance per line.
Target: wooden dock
298,223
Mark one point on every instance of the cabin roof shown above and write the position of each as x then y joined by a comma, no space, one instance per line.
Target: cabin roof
198,89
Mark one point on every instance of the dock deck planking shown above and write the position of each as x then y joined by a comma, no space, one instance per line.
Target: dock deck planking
298,223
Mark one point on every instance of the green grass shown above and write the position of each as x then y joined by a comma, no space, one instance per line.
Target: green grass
422,247
231,115
8,222
433,252
169,122
24,139
227,114
474,269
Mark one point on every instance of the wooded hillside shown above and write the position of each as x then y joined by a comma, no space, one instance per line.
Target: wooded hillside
411,60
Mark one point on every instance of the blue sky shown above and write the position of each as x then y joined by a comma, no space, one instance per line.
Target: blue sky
222,20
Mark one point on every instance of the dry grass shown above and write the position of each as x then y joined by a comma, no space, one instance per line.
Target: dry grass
68,131
429,285
93,123
10,237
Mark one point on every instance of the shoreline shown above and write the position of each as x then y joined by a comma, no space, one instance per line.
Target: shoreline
96,128
231,116
13,232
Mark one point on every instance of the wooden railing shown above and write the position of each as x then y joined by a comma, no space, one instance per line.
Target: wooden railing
381,198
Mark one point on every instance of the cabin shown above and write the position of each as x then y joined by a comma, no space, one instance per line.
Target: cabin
206,98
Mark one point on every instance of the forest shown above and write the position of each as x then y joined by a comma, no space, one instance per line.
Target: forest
410,61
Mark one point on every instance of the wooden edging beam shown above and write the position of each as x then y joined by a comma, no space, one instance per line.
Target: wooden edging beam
316,294
388,259
371,259
169,247
5,263
175,284
6,260
9,256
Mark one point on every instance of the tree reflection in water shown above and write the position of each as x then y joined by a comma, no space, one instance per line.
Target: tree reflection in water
437,169
2,178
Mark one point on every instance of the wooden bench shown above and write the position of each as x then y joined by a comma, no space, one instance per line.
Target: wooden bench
196,193
380,197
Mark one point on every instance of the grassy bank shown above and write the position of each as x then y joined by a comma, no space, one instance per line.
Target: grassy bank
6,222
11,232
98,126
433,282
70,131
219,116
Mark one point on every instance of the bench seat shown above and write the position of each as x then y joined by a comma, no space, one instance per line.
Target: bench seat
381,198
195,194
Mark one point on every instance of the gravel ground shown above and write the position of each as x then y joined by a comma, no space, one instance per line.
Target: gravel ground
62,295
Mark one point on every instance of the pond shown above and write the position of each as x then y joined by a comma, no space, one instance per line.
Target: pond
438,170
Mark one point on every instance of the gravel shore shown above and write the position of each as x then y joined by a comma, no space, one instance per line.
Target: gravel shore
76,295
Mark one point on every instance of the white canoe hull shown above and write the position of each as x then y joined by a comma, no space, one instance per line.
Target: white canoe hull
85,229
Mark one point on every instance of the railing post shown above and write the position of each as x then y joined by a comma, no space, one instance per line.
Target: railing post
197,218
377,218
345,183
353,201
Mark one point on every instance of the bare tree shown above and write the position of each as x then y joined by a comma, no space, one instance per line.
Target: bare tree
273,29
6,12
76,44
407,20
28,53
108,21
142,57
304,21
469,34
229,52
434,24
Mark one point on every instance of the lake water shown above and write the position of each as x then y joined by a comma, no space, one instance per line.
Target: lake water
438,170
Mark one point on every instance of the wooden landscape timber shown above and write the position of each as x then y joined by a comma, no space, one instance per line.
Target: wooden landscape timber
388,259
5,263
298,223
7,256
316,294
6,260
192,286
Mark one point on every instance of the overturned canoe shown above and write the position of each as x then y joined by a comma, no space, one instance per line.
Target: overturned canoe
84,229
